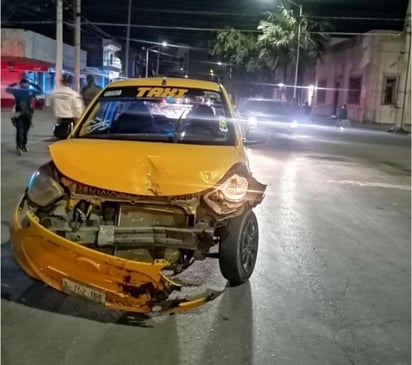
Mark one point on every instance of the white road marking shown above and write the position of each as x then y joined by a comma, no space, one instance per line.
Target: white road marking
371,184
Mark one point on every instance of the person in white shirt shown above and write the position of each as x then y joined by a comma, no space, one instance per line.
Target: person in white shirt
68,106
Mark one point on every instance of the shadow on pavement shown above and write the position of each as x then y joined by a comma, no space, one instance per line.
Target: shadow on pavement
231,336
18,287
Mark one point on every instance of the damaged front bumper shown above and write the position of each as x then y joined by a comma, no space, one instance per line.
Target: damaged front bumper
105,279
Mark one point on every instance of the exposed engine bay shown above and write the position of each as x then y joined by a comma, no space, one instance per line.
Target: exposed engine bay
178,230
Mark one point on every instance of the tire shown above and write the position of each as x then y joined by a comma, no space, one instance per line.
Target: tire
238,248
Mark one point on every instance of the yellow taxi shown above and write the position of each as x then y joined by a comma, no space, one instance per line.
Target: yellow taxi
152,178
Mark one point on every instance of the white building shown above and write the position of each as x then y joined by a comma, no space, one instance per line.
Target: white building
32,55
363,72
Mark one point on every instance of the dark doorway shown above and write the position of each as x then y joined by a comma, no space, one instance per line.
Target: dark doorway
336,98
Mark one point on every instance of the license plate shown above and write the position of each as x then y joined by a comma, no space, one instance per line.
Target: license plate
84,291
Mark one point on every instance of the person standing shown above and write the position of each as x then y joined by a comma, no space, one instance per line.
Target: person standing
68,106
23,111
90,90
342,116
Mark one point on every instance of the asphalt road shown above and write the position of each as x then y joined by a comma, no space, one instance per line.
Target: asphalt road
332,283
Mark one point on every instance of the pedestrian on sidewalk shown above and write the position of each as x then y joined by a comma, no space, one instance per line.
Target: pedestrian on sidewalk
342,118
68,106
90,90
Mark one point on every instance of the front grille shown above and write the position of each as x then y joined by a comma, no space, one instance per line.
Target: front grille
83,189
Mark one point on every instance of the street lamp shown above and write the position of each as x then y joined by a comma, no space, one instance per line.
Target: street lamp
298,47
164,44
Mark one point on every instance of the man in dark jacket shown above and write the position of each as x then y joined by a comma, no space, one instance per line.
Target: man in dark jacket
90,90
22,118
342,116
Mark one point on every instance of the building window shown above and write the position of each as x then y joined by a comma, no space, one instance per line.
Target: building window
354,92
389,90
321,92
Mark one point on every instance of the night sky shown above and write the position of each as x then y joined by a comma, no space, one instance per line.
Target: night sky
242,14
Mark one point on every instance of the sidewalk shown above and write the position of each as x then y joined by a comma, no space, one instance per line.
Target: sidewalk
43,122
40,134
327,121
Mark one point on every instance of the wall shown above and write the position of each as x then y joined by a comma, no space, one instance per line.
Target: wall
348,59
371,57
388,51
19,43
29,51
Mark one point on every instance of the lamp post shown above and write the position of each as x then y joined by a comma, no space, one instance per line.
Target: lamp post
77,43
164,44
59,41
295,85
148,49
298,50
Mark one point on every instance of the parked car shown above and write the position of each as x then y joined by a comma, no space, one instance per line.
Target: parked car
153,176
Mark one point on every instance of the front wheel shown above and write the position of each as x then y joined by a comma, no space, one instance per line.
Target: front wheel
238,248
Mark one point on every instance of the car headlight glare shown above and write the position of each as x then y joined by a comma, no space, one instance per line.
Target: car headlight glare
43,189
253,120
235,188
294,124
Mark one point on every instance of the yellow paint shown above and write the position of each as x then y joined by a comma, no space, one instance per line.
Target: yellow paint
134,167
141,168
50,258
161,92
171,82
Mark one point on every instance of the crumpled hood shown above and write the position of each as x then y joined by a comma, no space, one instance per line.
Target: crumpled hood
143,168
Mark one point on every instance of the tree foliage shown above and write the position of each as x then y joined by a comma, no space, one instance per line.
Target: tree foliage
237,48
276,44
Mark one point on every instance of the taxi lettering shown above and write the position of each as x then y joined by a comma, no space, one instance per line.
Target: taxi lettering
161,92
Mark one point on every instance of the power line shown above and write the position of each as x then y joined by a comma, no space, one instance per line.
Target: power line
121,25
190,12
357,18
217,13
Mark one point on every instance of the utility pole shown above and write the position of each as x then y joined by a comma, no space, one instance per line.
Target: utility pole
129,18
147,62
298,53
158,61
77,43
59,41
404,94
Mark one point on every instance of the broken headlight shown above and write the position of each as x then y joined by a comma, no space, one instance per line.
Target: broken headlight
43,188
229,196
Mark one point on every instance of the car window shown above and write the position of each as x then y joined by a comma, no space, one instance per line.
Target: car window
268,107
160,114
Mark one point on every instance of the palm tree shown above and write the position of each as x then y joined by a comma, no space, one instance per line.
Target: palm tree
278,41
268,56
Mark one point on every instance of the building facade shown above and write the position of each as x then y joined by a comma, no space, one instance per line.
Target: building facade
103,61
33,56
364,73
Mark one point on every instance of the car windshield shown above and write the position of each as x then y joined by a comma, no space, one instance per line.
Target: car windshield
160,114
268,107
